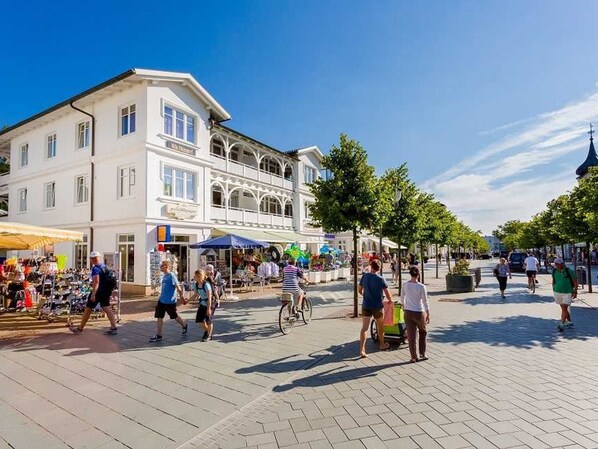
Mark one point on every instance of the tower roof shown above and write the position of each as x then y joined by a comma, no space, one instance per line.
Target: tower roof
591,160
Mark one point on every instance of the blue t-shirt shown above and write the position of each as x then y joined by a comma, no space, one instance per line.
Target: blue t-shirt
168,292
203,292
373,289
97,270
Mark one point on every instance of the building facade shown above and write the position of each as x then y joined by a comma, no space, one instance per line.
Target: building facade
144,149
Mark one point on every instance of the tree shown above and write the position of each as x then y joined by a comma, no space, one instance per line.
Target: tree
347,200
509,233
400,220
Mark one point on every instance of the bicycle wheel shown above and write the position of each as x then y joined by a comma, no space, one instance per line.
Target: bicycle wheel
374,330
533,285
286,319
306,310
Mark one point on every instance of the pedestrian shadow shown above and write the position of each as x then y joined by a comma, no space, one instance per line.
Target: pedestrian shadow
521,331
511,298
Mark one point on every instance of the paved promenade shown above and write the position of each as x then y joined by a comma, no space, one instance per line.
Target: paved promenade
499,375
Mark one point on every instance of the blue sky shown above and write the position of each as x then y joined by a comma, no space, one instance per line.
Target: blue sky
429,83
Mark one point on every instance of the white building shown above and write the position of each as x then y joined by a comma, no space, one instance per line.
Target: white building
495,244
147,148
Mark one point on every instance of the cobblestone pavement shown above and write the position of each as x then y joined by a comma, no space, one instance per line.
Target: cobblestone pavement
499,375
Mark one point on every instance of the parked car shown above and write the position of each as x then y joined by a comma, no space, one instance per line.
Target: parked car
516,260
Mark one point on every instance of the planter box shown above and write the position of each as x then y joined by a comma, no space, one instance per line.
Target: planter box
334,275
344,273
326,276
460,284
477,273
314,277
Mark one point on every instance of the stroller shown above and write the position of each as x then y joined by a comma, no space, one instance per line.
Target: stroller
396,331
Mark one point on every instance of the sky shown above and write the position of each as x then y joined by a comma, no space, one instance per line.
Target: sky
487,102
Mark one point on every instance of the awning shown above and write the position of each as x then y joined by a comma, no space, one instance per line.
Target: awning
269,235
390,244
15,236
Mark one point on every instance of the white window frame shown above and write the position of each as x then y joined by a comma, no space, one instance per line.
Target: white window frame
184,172
313,174
120,117
219,146
306,210
126,240
128,190
86,135
47,143
218,188
23,146
85,187
22,200
46,193
186,116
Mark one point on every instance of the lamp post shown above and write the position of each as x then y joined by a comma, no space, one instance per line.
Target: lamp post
398,195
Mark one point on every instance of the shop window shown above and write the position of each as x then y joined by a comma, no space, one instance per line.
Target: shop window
81,251
126,248
179,183
217,147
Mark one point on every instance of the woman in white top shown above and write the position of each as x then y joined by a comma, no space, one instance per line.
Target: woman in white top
414,299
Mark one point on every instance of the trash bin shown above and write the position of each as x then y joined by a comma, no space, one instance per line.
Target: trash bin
582,275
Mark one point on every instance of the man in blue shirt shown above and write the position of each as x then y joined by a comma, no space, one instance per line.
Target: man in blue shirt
100,294
372,286
167,301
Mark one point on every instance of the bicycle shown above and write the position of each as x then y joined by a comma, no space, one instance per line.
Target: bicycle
287,314
531,283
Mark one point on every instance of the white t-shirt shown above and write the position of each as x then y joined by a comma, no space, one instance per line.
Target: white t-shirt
531,264
414,297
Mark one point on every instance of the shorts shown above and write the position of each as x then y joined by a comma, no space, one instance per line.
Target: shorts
376,313
102,299
562,298
531,273
162,309
296,295
202,315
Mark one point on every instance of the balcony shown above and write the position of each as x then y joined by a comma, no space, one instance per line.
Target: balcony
4,182
250,217
248,171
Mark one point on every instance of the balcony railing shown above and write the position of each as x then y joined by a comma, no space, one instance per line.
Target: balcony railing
250,217
252,172
4,182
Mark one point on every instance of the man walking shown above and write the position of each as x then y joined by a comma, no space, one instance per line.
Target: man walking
372,286
100,294
564,286
167,301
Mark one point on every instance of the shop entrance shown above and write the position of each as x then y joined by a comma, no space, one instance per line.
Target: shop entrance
181,251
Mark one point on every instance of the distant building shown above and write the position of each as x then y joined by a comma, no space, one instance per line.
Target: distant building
495,244
592,159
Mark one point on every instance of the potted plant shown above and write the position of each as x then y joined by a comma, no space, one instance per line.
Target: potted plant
315,270
326,275
459,280
345,271
334,270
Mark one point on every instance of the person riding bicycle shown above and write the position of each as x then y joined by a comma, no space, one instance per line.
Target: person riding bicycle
290,282
531,269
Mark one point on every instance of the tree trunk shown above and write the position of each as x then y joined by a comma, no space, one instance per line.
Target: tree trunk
436,249
574,258
589,273
421,256
448,258
355,299
400,278
563,251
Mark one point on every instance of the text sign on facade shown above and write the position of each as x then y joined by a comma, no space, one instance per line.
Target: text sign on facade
180,148
163,233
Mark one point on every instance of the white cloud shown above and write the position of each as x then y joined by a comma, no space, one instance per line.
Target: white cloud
515,176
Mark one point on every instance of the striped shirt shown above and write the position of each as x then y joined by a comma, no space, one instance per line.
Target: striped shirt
291,275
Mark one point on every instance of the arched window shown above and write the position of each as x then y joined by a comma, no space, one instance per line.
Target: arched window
288,173
233,201
217,147
270,205
217,196
288,210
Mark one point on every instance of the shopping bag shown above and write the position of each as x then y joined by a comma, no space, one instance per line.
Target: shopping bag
389,313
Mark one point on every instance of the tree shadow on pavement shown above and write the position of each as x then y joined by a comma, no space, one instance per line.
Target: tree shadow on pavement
523,297
521,331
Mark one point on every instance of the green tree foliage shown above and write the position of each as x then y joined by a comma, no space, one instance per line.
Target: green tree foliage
349,199
510,234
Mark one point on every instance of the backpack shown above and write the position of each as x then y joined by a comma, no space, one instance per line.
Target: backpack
215,299
107,280
568,274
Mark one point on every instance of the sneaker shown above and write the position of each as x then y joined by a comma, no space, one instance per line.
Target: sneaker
205,337
569,324
561,328
111,331
75,330
155,338
185,328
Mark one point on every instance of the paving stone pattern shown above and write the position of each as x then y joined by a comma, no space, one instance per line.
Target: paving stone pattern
499,375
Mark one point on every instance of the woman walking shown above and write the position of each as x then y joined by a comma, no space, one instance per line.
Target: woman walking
501,271
414,299
203,291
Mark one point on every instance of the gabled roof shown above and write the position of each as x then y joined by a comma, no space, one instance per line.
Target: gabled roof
591,161
217,112
311,149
